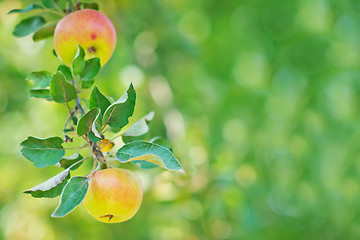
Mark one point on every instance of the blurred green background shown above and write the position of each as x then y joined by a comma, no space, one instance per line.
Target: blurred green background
258,98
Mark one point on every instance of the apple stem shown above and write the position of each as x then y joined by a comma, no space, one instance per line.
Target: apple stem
91,49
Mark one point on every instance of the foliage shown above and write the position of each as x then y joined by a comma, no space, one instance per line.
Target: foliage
38,24
64,87
258,98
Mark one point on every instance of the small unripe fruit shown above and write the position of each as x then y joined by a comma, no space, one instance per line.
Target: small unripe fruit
114,195
105,145
90,29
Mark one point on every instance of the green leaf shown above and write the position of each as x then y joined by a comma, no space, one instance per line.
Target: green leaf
139,129
61,90
86,121
44,32
90,5
52,187
70,160
79,63
74,120
27,9
39,80
150,152
87,84
29,25
144,164
72,195
93,138
98,100
92,68
48,3
66,71
149,165
41,93
43,152
117,114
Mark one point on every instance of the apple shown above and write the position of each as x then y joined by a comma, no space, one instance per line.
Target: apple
114,195
90,29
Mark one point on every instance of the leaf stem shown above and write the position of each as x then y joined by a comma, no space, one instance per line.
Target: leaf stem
78,105
104,131
71,115
79,162
77,100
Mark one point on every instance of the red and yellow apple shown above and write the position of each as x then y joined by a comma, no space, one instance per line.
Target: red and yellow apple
114,195
90,29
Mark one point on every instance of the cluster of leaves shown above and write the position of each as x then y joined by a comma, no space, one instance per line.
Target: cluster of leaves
44,17
90,120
